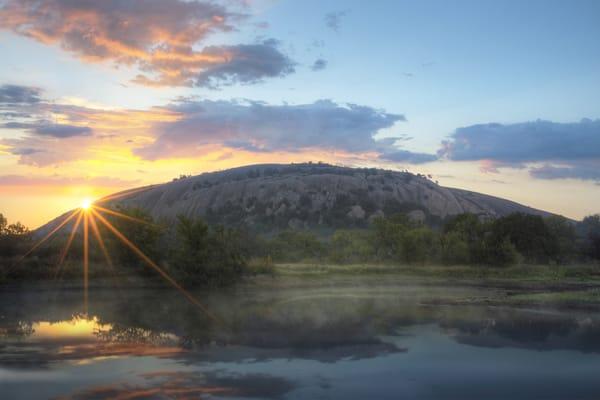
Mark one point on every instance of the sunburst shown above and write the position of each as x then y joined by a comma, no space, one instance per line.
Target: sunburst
90,214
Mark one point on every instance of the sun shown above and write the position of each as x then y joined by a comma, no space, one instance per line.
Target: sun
86,204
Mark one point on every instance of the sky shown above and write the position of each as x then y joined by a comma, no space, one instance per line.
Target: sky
499,97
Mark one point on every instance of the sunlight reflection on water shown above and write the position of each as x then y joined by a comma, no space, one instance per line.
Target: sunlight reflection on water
352,339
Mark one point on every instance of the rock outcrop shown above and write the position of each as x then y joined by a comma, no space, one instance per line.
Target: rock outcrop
272,197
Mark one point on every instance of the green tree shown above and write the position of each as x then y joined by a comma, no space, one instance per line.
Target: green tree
348,246
564,232
419,245
500,251
388,235
530,236
454,249
591,234
294,246
142,231
465,229
205,257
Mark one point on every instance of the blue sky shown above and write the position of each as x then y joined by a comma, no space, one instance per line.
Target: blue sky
428,67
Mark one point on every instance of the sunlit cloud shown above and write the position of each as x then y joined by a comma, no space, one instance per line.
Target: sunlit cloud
160,38
53,133
259,127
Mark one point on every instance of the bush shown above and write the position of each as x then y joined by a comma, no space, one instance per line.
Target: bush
454,249
530,236
294,246
261,266
419,245
143,232
501,253
351,246
591,236
206,257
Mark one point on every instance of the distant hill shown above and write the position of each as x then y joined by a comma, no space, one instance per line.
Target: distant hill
271,197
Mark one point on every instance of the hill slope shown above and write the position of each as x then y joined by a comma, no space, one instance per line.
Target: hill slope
270,197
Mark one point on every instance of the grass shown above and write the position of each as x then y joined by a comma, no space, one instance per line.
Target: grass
563,298
529,273
572,286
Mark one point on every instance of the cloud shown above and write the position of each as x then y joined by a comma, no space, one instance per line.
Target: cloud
582,171
80,131
48,129
160,37
409,157
189,128
259,127
319,65
569,150
231,64
15,94
525,142
333,19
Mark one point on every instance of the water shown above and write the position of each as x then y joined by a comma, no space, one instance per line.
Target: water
350,338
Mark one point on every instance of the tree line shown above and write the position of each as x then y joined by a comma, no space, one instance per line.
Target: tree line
189,250
196,253
465,239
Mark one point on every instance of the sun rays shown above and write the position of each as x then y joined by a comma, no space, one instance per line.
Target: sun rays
88,216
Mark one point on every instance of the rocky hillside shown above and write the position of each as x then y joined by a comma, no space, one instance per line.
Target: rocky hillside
271,197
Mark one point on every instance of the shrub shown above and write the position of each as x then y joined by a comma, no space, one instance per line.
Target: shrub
204,256
454,249
351,246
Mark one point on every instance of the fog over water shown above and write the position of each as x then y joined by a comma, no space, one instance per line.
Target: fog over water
352,337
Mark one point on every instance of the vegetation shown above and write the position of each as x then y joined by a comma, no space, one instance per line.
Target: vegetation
12,238
197,253
465,239
206,256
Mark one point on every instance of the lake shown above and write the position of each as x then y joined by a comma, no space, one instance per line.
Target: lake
362,337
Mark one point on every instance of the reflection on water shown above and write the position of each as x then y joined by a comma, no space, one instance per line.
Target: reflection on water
349,338
78,328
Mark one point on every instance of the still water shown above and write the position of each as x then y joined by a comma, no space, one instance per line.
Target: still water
343,338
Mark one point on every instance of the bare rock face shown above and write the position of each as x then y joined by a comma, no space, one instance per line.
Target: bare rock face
417,216
356,212
308,194
272,197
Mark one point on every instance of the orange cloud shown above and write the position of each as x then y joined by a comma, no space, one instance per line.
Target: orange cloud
158,37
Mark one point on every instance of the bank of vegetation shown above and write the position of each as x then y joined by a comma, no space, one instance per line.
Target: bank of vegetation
196,253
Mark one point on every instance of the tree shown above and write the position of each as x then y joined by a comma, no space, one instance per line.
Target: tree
454,249
347,246
16,229
591,234
501,251
296,246
530,236
388,234
464,229
564,232
12,238
419,245
204,256
143,232
3,223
